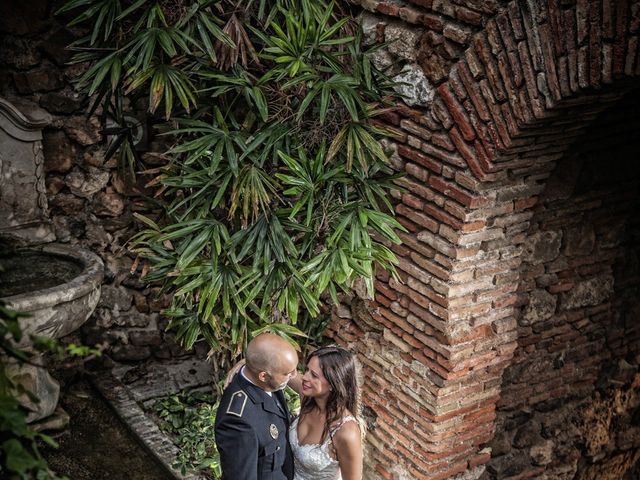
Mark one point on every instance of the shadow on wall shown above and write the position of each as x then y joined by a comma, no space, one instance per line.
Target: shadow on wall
570,403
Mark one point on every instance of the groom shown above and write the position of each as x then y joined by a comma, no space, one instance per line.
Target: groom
252,423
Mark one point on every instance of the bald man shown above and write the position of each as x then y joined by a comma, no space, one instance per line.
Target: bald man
252,423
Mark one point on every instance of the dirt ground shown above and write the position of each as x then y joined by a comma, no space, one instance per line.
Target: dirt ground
96,445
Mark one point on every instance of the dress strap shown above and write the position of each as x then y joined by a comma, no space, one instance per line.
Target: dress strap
348,418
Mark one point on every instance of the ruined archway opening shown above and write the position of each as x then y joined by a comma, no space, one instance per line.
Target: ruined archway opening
570,400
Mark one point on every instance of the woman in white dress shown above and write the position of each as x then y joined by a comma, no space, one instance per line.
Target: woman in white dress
326,438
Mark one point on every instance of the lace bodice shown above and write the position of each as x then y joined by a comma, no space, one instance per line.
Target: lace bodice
313,461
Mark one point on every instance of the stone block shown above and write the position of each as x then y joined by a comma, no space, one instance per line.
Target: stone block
108,204
54,184
133,318
40,80
55,46
543,453
430,58
402,40
587,293
23,17
82,130
413,86
370,24
542,247
118,299
542,306
579,240
66,203
63,102
19,52
145,337
86,183
59,154
130,353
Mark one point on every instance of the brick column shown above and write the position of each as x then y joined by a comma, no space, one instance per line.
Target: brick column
521,89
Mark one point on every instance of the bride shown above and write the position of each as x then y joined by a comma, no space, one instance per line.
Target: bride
326,438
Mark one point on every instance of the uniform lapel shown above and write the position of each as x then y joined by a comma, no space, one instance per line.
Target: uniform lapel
270,405
283,410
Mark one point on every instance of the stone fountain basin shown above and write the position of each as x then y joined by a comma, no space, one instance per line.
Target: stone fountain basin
57,285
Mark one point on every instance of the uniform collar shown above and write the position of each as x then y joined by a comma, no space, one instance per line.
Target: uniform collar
252,383
258,395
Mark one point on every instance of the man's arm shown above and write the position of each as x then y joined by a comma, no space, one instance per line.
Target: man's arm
238,447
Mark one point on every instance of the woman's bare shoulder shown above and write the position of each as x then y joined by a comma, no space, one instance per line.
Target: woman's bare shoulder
349,431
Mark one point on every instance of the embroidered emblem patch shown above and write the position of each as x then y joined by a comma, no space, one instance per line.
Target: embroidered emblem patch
237,403
273,430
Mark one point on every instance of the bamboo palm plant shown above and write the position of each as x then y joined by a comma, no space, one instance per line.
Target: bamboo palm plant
277,191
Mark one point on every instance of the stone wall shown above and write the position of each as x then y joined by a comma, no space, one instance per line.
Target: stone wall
507,105
501,271
579,324
90,203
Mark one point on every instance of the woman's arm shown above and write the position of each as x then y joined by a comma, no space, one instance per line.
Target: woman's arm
233,372
348,446
295,383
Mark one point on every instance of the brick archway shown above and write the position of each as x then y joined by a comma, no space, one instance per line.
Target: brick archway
436,346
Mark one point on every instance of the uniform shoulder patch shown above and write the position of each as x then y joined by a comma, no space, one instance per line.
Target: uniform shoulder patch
237,403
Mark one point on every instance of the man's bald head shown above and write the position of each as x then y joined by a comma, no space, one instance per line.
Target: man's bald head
268,352
271,360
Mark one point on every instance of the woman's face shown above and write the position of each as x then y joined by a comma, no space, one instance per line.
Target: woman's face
313,382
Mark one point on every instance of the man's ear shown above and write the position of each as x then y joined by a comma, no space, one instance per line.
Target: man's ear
262,376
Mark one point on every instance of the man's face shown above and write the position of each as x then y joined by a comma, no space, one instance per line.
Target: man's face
278,378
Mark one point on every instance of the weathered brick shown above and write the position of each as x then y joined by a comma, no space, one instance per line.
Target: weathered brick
474,63
436,301
442,216
419,158
468,154
468,16
515,20
622,9
412,201
549,60
388,9
483,50
582,21
418,218
452,190
415,129
442,155
458,33
630,59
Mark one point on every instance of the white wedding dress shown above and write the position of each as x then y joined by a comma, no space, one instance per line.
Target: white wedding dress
313,461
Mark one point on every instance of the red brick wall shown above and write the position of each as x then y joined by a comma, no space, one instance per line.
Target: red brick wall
527,81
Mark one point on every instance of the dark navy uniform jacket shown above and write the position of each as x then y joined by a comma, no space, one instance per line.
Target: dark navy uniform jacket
252,433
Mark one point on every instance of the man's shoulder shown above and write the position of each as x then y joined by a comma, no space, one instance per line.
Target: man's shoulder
236,403
238,400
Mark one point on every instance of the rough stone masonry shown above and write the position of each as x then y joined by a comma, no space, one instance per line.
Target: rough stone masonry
509,349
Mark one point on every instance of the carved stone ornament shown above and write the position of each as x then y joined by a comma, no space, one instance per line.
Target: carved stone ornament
23,201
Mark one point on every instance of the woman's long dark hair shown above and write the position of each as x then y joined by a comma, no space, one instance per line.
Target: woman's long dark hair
339,368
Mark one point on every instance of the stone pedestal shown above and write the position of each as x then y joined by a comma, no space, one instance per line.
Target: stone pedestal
44,389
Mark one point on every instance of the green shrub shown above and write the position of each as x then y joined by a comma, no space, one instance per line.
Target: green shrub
276,196
190,419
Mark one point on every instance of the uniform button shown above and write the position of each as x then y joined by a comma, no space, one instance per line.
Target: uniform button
277,449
